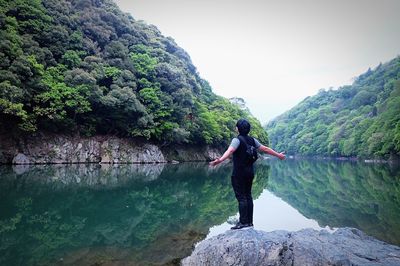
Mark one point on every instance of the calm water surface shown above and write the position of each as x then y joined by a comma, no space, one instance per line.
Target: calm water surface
155,214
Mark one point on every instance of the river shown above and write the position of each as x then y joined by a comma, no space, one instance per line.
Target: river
155,214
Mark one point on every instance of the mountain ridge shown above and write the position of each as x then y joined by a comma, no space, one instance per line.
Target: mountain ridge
358,120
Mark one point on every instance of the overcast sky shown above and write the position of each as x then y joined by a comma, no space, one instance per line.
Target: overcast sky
273,54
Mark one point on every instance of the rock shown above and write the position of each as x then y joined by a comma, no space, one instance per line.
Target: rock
42,149
20,158
212,154
346,246
46,148
190,153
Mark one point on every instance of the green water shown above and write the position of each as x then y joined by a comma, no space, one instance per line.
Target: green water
155,214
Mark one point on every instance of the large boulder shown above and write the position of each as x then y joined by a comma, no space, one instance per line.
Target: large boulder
20,159
346,246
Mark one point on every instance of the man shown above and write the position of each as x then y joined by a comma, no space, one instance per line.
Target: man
243,171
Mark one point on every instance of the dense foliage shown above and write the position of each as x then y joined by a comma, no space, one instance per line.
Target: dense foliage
342,194
84,66
358,120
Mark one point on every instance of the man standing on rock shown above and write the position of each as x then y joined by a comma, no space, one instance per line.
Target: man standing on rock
243,170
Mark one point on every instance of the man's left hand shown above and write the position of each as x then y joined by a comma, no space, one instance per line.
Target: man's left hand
215,162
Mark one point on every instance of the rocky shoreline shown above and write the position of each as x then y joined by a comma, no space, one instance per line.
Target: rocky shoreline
345,246
60,149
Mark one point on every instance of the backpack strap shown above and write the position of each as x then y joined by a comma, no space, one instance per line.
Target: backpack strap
242,139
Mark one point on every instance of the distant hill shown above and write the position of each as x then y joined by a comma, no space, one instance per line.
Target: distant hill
83,66
358,120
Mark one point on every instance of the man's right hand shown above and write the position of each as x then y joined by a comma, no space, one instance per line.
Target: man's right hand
282,156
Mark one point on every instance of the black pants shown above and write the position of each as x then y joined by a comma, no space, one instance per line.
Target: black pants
242,188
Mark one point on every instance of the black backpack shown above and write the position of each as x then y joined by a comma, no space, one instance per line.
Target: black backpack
251,151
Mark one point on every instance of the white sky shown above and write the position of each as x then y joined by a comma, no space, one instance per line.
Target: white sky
275,53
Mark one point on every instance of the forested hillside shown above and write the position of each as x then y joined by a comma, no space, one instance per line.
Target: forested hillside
83,66
358,120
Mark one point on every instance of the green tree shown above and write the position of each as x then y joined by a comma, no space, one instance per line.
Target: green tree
356,120
59,100
87,67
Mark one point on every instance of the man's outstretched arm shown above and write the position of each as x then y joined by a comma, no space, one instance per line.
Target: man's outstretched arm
270,151
226,155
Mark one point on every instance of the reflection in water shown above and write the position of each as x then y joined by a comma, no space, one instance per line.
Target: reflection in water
272,213
124,214
339,194
93,175
154,214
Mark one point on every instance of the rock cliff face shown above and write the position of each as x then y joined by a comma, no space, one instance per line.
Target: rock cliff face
43,148
346,246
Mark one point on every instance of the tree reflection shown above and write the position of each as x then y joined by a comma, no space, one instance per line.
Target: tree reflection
131,214
339,194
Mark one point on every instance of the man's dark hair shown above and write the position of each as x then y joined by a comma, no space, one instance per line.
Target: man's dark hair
243,126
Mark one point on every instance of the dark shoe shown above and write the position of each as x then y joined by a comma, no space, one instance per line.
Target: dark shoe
240,226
